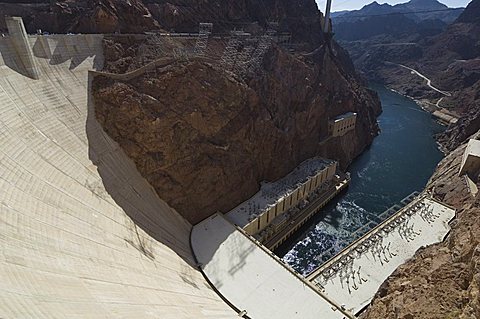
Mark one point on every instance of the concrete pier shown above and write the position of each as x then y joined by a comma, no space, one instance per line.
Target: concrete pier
354,275
47,52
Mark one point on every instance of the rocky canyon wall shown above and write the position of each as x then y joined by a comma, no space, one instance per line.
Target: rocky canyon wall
81,16
205,138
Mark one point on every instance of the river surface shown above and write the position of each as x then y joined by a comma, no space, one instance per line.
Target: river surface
400,161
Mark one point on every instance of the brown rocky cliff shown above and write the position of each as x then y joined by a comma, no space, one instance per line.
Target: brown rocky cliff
82,16
300,18
205,138
440,281
109,16
454,62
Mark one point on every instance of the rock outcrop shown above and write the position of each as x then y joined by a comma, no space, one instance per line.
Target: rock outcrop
205,138
133,16
443,280
300,18
82,16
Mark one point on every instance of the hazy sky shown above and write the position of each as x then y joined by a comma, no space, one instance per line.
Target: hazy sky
338,5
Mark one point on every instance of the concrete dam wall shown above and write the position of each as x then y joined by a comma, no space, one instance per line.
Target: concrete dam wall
83,235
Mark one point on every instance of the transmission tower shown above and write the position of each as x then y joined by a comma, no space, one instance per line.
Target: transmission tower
155,44
231,50
263,45
151,49
180,54
205,29
242,60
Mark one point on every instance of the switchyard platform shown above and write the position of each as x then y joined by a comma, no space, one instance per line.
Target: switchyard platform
355,274
251,277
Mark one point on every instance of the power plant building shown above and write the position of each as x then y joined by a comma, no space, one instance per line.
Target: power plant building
278,197
342,124
471,159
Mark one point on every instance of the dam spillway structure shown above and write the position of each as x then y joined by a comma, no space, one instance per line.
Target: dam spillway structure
83,234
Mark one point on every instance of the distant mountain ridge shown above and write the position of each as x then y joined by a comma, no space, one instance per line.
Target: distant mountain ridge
423,17
415,7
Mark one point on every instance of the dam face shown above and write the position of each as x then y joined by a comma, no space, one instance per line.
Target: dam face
83,235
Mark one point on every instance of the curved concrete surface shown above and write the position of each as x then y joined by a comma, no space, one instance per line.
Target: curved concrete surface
254,279
82,234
